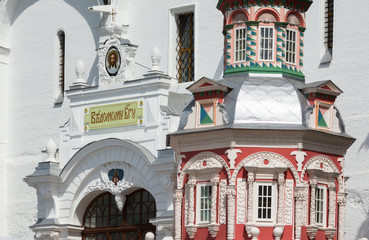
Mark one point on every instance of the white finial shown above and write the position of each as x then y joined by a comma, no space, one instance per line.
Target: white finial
51,151
155,58
278,231
80,71
149,236
255,233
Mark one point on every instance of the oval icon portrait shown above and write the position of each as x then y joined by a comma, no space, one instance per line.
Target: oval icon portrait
112,61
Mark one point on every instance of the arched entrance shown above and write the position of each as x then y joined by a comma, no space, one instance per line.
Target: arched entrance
104,221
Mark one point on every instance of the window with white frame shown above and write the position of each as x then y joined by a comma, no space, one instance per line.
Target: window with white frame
203,203
240,44
291,46
266,197
266,46
320,205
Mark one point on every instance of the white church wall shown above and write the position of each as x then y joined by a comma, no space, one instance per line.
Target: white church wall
348,69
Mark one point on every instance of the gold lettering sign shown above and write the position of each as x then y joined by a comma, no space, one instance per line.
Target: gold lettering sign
113,115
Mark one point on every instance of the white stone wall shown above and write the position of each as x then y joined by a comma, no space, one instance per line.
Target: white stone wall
29,28
349,70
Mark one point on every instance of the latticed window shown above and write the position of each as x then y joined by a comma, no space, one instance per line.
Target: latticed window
319,205
240,44
265,202
266,43
185,47
328,31
204,203
104,221
291,47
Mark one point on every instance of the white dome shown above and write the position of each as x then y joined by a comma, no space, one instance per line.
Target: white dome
264,101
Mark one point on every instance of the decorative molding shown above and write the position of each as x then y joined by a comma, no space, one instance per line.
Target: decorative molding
281,182
177,196
300,198
191,204
288,205
241,200
47,235
222,201
341,200
250,197
231,198
300,157
117,188
330,233
186,203
332,205
311,231
179,158
212,161
315,162
257,160
313,185
232,156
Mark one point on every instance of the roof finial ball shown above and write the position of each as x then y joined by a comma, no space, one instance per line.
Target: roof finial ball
51,151
155,58
149,236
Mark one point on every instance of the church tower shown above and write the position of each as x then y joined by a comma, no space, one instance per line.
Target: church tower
260,153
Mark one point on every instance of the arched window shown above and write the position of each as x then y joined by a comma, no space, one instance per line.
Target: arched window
293,20
239,37
104,221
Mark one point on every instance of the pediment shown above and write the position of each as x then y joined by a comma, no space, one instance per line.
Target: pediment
206,84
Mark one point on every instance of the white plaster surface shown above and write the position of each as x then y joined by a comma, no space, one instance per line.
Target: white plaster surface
29,117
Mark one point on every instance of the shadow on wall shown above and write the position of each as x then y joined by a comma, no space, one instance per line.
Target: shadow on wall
365,144
363,233
360,201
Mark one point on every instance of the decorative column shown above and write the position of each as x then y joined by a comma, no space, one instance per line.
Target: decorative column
281,182
301,61
214,227
312,228
191,228
341,199
250,199
228,38
331,230
178,196
231,197
299,202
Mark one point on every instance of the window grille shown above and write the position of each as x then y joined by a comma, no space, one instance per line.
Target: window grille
240,45
61,37
291,47
103,220
328,31
205,203
266,43
185,47
319,206
265,202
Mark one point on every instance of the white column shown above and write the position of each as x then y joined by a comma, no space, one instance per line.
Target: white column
341,199
313,185
214,227
250,199
178,197
299,202
281,182
191,228
231,203
332,205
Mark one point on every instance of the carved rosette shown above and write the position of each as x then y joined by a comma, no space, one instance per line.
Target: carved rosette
332,205
231,198
47,235
177,196
241,200
105,78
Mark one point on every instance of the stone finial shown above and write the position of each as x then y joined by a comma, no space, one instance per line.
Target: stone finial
277,232
255,233
149,236
155,58
80,71
51,151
